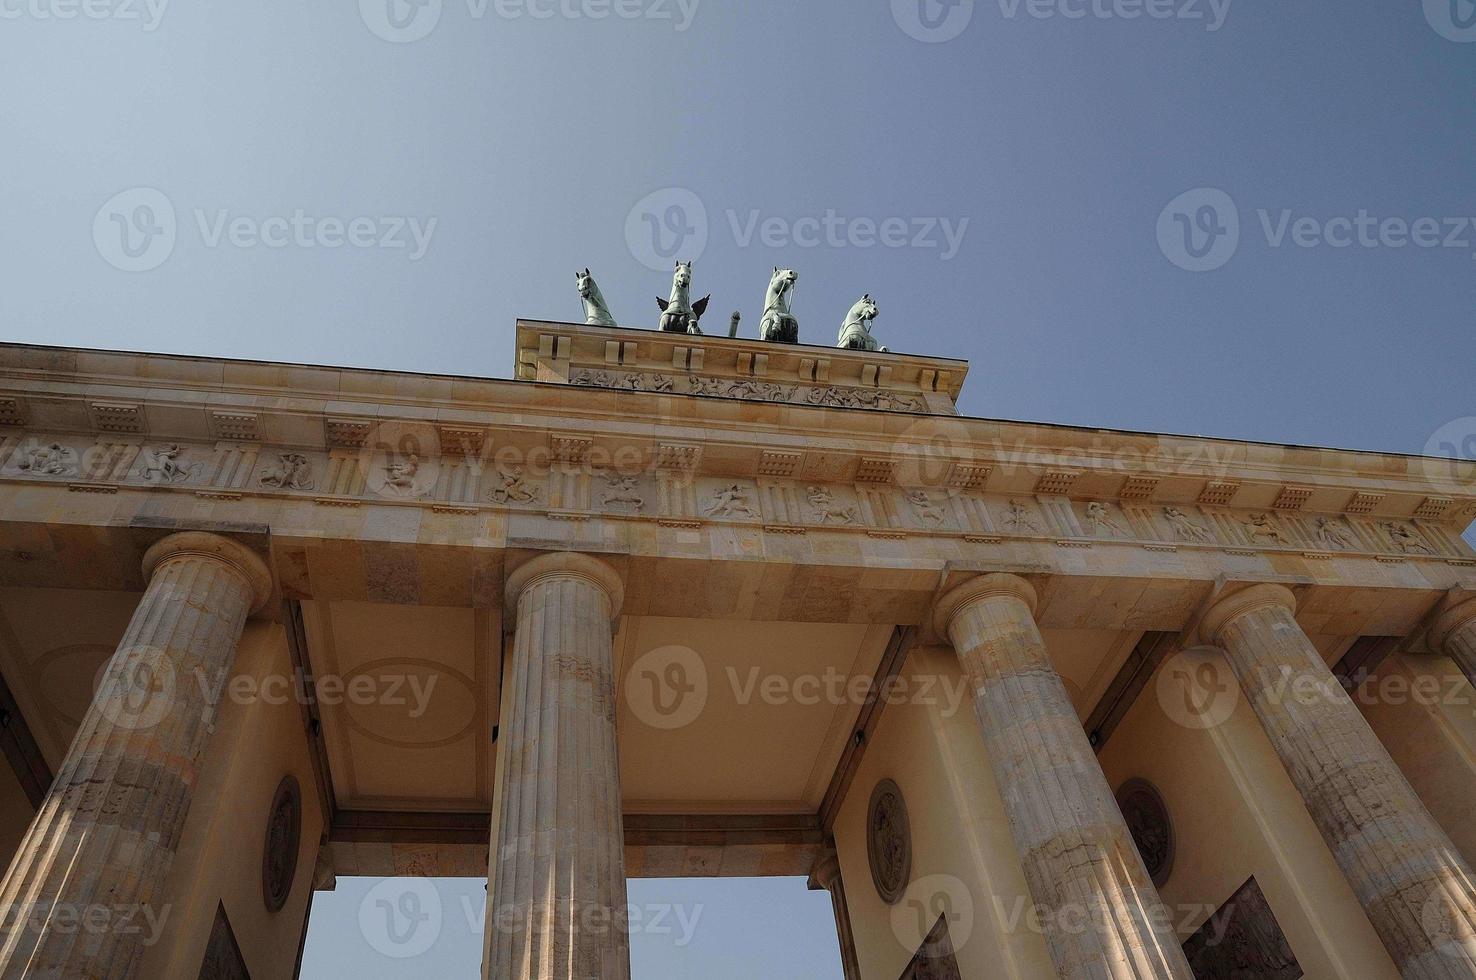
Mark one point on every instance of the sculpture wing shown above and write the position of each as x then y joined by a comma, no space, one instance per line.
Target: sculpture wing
700,307
662,303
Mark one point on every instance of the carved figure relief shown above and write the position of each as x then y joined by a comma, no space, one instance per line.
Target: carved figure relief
1261,527
826,509
1099,518
752,390
889,841
1184,527
864,398
1147,819
399,475
509,486
53,459
1017,518
291,471
283,834
629,381
1332,533
162,464
928,510
1406,538
621,490
729,501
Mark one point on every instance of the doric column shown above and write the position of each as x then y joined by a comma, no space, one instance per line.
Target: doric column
826,874
559,906
1454,634
1417,890
96,858
1101,913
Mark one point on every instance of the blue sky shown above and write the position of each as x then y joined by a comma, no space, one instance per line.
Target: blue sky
1024,183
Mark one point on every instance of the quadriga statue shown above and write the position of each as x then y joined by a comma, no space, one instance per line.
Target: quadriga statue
855,332
779,323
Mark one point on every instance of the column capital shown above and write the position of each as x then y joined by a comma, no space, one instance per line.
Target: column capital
1461,614
566,564
214,547
1237,604
979,589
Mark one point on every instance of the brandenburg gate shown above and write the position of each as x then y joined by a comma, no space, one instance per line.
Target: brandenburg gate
672,604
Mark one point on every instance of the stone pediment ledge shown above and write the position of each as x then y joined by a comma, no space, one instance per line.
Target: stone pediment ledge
105,422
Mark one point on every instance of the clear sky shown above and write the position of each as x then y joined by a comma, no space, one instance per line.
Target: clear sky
1247,218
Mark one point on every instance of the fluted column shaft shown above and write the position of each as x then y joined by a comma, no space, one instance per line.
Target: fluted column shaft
559,902
1413,884
827,875
1454,635
87,877
1101,914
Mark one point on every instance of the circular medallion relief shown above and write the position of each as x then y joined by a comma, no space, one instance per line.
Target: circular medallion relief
1147,820
279,854
888,841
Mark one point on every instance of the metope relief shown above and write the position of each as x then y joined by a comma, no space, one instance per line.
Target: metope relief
1019,519
510,486
1184,527
289,471
622,492
1405,539
825,509
733,500
927,508
166,464
402,475
49,459
1100,522
1334,535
